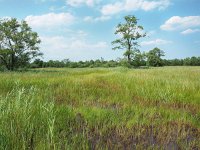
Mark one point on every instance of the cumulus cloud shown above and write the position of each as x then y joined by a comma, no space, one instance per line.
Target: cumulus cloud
76,3
75,48
156,42
146,5
111,9
190,31
102,18
133,5
6,17
88,19
50,20
97,19
178,23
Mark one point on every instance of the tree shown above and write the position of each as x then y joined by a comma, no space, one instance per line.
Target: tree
154,57
194,61
129,33
18,43
37,63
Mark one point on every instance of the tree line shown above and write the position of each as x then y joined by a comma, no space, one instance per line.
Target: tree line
190,61
19,46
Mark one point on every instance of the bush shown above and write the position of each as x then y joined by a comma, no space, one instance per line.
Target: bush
3,68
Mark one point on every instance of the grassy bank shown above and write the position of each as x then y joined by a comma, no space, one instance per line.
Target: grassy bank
100,109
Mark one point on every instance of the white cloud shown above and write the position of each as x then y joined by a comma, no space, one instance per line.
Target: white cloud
75,48
133,5
177,23
102,18
146,5
111,9
50,20
190,31
88,19
76,3
54,8
6,18
156,42
97,19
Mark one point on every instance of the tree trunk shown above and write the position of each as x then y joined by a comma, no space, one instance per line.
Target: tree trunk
129,58
129,52
12,62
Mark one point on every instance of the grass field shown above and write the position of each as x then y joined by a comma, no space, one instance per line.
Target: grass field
118,108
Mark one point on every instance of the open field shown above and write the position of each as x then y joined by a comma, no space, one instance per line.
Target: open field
115,108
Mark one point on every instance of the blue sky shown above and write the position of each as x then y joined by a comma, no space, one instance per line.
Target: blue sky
84,29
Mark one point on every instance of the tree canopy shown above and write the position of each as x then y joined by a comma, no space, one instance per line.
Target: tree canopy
18,43
154,57
129,33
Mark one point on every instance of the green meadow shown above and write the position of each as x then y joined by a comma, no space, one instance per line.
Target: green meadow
115,108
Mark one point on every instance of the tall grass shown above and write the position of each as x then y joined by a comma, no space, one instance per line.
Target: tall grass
100,109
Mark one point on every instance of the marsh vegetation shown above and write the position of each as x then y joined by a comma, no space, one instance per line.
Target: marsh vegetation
116,108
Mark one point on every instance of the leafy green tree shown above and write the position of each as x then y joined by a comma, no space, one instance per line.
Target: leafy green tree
154,57
187,61
18,43
138,58
194,61
129,33
37,63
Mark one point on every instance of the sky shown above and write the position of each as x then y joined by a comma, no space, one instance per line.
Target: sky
84,29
